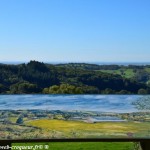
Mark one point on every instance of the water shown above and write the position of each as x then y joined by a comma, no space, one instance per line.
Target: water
100,103
107,118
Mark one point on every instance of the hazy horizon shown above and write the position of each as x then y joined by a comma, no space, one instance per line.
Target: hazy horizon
88,62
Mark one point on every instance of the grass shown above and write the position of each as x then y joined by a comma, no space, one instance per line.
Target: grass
81,145
71,129
111,71
147,70
127,73
13,119
10,131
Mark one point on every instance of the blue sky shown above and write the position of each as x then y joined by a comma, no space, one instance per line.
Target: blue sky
75,30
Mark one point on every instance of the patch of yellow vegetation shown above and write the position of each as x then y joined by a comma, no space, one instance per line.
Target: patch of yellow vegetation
67,126
13,119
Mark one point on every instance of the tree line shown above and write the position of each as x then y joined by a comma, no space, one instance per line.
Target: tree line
79,78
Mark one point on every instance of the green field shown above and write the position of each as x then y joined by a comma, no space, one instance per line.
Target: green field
127,73
147,70
79,129
81,145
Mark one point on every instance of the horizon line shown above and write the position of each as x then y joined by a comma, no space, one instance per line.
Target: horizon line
89,62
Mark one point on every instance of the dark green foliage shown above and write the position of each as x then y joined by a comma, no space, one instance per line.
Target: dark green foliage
72,78
142,91
90,89
63,89
37,66
70,89
89,66
108,91
3,88
142,76
38,73
24,87
124,92
19,120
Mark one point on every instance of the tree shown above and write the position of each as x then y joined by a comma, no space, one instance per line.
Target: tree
142,91
72,78
70,89
142,76
19,120
2,88
45,91
63,89
24,87
123,92
108,91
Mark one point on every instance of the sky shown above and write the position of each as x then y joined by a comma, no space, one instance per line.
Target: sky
75,30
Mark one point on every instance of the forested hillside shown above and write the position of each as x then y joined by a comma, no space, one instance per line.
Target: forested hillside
74,78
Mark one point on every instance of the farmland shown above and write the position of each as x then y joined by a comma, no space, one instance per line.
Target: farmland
33,124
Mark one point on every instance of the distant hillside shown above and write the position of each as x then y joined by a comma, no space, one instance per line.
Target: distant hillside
74,78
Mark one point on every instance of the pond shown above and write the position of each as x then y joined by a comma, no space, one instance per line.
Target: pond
107,119
100,103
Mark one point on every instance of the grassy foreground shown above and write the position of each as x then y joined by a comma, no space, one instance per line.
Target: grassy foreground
80,146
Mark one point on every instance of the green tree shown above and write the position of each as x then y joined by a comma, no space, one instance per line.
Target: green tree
123,92
19,120
63,89
108,91
24,87
3,88
142,91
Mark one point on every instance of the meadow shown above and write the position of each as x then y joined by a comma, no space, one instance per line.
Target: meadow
34,124
79,129
82,145
127,73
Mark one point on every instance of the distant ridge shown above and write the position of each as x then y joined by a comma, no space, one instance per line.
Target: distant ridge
96,63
